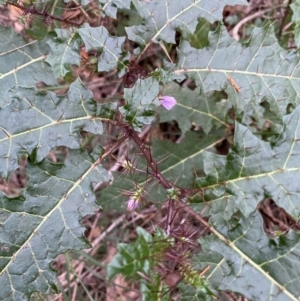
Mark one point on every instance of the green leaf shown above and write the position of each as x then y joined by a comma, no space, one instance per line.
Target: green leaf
66,45
141,100
191,293
107,110
178,162
247,261
110,7
110,48
64,51
132,258
22,63
139,256
199,39
36,122
176,159
163,18
262,70
208,111
252,171
45,222
164,76
154,291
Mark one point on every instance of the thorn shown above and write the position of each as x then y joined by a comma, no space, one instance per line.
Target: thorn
59,119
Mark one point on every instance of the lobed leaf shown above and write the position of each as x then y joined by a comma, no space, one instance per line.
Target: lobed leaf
110,48
44,222
245,260
255,72
19,58
65,48
163,18
141,100
64,52
35,122
252,171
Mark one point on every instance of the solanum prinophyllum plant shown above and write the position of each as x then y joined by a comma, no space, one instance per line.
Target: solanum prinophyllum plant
200,123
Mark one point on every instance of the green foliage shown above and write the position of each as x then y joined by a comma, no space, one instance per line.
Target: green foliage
139,256
140,103
35,122
161,20
246,260
261,69
208,111
252,171
110,48
65,52
110,7
18,59
154,291
224,89
44,222
65,49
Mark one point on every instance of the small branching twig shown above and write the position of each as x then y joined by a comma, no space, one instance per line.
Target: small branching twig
46,16
129,132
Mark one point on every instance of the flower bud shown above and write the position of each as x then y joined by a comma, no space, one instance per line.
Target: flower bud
132,204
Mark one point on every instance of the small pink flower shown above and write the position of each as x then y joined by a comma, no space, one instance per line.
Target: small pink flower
132,204
168,102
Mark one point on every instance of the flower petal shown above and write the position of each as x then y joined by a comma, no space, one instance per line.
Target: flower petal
168,102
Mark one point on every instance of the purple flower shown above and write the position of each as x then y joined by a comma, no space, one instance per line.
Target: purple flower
168,102
132,204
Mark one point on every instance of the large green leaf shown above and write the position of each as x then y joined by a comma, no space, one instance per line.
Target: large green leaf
35,122
194,108
110,48
64,51
242,258
163,18
252,171
21,63
44,222
245,260
261,69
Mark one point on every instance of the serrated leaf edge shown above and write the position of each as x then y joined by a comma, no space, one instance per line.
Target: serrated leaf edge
45,218
240,253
